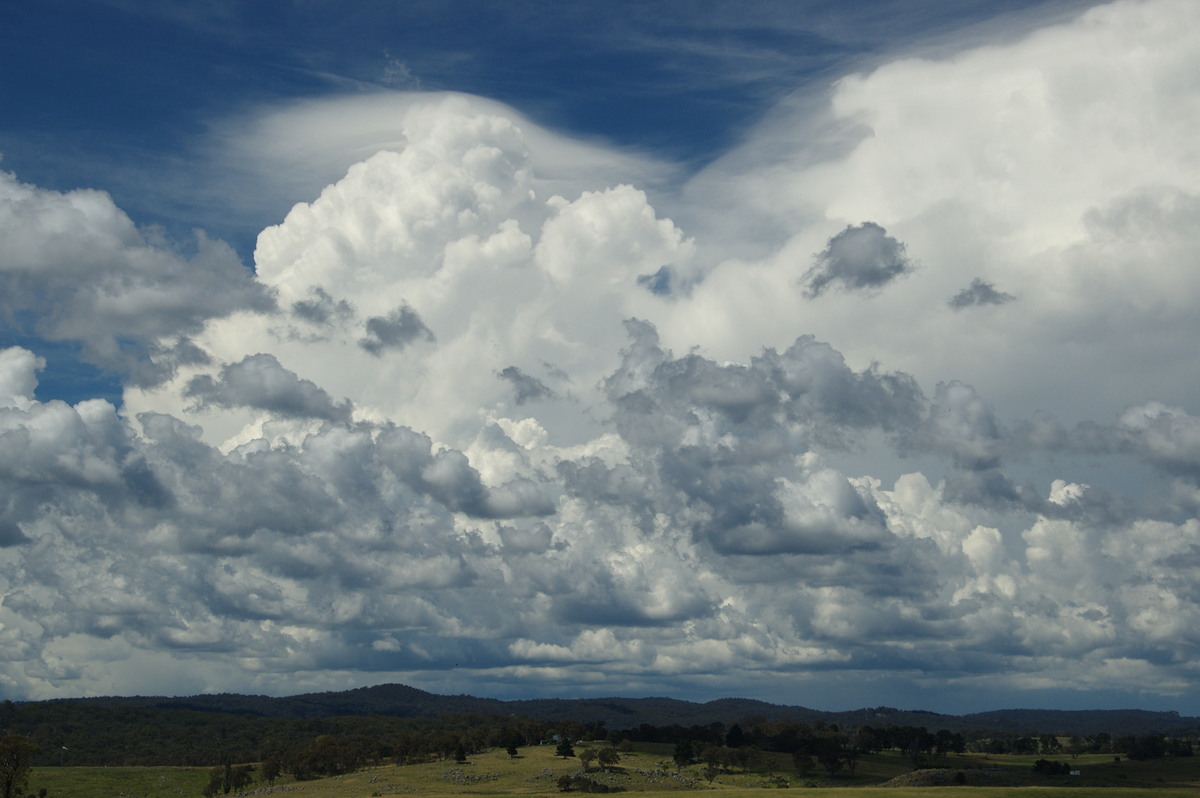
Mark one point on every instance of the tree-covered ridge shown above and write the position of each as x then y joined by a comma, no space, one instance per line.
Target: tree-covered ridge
371,723
620,713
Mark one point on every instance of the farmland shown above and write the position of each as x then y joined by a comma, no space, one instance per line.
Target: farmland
536,771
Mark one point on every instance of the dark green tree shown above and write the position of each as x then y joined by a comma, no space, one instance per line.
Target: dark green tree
216,781
564,749
608,757
270,770
683,753
240,777
16,757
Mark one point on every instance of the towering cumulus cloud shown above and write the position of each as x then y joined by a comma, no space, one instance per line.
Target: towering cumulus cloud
482,419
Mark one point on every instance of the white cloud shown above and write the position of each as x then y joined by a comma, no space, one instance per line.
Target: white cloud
448,424
1056,166
76,268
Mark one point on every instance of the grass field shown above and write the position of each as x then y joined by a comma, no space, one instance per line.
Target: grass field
536,771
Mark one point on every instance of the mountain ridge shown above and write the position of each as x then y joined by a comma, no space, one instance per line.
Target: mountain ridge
618,713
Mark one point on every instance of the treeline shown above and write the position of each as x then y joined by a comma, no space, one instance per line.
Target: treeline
1139,747
98,733
811,746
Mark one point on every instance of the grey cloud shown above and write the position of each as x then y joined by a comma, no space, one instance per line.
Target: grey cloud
714,536
987,487
979,293
726,440
11,534
397,330
526,387
1166,437
818,382
961,424
77,266
261,382
660,283
530,539
448,476
808,385
858,258
322,309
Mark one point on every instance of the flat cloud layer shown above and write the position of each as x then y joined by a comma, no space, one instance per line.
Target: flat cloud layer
485,420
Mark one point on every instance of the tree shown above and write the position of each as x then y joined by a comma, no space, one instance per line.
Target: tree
564,749
240,777
585,758
270,771
216,780
745,756
608,757
16,757
683,753
512,741
804,763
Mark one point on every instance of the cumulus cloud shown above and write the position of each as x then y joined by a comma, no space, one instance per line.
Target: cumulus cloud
527,388
77,268
1167,437
859,257
396,330
321,308
260,382
739,480
997,161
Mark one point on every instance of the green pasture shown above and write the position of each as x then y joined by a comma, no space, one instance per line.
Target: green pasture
649,769
134,782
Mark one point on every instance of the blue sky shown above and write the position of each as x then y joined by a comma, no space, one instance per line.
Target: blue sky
833,354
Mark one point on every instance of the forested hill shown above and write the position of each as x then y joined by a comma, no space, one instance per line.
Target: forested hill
397,700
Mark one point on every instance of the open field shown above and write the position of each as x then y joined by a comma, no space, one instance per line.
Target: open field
136,782
650,769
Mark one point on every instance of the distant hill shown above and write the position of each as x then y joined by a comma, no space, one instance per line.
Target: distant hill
397,700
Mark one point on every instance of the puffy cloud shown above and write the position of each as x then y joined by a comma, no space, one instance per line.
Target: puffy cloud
483,414
76,268
859,257
18,377
1055,164
260,382
527,387
397,330
962,424
1165,436
321,309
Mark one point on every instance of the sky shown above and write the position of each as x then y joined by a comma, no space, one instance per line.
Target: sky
831,354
